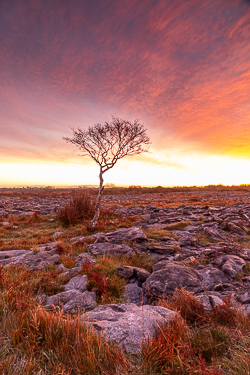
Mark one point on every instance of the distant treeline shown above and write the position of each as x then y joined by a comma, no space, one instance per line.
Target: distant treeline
50,191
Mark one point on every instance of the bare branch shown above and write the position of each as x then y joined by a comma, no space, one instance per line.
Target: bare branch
108,143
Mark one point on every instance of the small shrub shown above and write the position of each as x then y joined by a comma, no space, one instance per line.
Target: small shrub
211,342
102,279
187,305
141,260
226,314
80,207
169,352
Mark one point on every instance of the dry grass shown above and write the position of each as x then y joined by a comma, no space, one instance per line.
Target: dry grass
156,233
37,342
178,226
80,207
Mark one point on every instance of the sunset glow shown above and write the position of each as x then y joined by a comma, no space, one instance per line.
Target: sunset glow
181,67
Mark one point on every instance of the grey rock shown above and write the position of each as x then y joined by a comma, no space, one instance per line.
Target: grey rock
231,227
126,234
5,254
85,301
162,249
168,276
134,294
82,258
78,240
127,324
211,277
229,264
100,249
57,234
77,283
213,234
39,261
71,301
5,223
209,301
129,271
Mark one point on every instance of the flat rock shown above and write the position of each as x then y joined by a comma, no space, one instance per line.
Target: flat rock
127,324
71,301
162,249
100,249
126,234
39,261
168,276
5,254
77,283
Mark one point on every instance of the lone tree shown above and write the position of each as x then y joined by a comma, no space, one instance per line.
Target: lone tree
108,143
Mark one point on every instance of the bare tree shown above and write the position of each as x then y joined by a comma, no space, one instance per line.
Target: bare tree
108,143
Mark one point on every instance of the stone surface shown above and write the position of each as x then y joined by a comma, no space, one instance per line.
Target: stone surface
168,276
127,324
134,294
71,301
129,271
229,264
82,258
126,234
39,261
231,227
77,283
99,249
211,277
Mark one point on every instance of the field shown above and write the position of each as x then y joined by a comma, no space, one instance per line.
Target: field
37,340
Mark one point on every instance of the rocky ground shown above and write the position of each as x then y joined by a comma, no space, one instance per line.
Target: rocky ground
204,249
20,205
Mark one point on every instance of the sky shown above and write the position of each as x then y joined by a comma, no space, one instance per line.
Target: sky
182,67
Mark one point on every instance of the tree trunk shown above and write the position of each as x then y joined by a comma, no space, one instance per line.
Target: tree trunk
98,200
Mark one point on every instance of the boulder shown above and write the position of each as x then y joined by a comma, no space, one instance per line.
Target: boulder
129,271
100,249
211,277
134,294
127,324
168,276
229,264
71,301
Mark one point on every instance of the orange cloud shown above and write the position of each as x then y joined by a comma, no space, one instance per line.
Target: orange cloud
181,67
